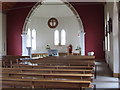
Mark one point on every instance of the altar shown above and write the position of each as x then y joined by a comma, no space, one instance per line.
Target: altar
53,52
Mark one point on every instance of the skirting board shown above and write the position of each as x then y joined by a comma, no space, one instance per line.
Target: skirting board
117,75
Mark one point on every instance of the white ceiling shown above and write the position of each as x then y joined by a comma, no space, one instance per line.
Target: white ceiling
53,10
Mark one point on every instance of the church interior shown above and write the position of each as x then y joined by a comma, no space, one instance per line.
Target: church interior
60,44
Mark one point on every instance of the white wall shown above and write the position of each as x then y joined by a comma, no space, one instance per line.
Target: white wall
112,56
119,37
116,38
45,35
109,54
2,37
2,34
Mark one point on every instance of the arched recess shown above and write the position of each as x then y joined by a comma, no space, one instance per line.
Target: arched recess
81,34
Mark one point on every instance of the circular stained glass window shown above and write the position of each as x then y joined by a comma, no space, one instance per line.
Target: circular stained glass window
52,22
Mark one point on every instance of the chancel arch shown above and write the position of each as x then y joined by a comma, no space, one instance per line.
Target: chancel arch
46,17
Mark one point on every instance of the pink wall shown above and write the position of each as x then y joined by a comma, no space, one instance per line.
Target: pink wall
15,21
92,17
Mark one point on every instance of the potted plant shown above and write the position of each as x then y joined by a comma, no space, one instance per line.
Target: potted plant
48,47
78,48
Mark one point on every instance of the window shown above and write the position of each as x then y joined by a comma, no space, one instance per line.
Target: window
105,35
108,39
108,33
63,37
31,39
56,37
105,43
59,38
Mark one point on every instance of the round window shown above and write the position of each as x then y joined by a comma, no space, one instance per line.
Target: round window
52,22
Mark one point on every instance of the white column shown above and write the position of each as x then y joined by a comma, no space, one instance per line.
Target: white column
115,39
2,34
82,42
24,44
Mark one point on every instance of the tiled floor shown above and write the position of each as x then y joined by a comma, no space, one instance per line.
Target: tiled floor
104,77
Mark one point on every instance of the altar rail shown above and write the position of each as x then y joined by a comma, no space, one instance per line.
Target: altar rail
45,54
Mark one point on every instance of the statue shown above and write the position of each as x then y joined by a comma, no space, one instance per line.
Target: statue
70,49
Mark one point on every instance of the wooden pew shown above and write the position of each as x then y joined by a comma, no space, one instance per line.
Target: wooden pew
46,83
65,59
7,60
61,62
52,76
71,57
84,71
53,67
58,60
48,75
50,80
68,62
64,77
